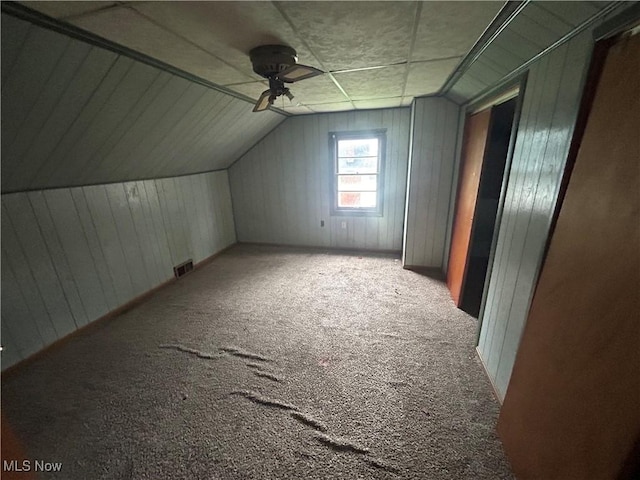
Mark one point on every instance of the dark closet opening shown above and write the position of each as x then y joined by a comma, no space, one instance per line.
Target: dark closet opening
486,210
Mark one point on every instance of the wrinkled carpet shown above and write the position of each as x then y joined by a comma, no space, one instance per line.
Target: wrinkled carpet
268,363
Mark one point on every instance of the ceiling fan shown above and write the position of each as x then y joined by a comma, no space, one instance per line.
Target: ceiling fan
278,64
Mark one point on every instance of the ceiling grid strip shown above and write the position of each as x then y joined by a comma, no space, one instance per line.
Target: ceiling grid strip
414,33
306,45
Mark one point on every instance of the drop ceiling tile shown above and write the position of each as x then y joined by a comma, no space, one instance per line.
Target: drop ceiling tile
251,90
378,83
125,26
66,9
228,30
354,34
427,77
378,103
332,107
298,109
316,90
449,29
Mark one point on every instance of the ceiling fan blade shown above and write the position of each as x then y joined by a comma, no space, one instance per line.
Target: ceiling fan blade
298,72
263,102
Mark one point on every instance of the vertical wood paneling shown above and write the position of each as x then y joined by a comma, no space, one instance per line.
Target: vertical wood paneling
74,114
30,238
13,35
162,127
118,201
455,172
58,257
136,198
76,250
137,89
160,237
206,206
86,222
171,214
550,106
20,276
227,228
281,188
69,256
29,74
110,245
6,337
538,26
72,99
434,136
28,337
44,105
185,227
571,408
69,150
216,209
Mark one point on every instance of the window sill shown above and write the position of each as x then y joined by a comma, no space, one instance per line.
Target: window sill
355,213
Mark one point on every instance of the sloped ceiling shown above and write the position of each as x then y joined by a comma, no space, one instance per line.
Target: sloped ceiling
534,27
77,114
376,54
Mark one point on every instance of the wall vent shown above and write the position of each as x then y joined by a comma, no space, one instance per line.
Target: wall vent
183,268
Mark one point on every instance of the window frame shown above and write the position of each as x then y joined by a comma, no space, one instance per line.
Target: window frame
334,138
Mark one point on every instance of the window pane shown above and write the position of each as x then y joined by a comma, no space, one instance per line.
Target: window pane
358,165
357,199
358,182
358,147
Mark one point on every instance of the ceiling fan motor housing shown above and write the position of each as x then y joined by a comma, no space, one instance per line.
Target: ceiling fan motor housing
269,60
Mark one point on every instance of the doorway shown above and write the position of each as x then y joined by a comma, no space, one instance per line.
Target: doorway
482,174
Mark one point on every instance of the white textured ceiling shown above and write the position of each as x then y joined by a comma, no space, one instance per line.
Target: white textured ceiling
376,54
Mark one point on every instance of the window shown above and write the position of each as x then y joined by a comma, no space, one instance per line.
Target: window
358,161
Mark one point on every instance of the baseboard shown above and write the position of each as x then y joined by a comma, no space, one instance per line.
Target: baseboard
211,258
496,393
100,321
324,248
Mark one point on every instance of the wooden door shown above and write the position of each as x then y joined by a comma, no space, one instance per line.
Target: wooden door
572,408
474,144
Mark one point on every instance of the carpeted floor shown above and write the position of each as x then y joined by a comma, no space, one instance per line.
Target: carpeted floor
269,363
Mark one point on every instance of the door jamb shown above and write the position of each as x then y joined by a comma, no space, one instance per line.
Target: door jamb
521,83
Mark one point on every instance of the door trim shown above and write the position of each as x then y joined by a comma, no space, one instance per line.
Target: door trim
521,81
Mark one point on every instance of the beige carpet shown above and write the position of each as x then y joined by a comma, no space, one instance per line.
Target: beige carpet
269,363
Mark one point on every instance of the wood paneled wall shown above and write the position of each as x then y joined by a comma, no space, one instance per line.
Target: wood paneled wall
76,114
281,188
571,410
71,255
549,110
428,208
